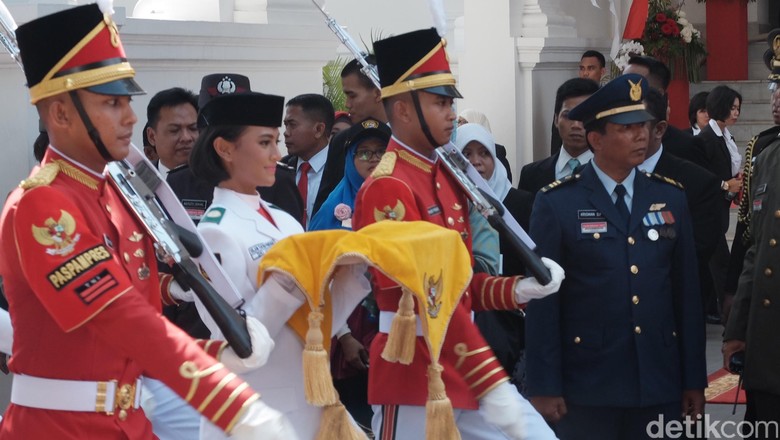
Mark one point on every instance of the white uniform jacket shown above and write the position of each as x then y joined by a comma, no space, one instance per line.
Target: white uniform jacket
240,236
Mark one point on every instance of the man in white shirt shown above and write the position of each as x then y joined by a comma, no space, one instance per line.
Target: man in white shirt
307,124
575,151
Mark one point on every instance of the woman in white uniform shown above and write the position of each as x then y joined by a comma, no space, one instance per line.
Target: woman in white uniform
237,152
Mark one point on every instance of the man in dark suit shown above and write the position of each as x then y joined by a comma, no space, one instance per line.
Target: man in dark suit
676,141
575,150
702,188
622,342
318,168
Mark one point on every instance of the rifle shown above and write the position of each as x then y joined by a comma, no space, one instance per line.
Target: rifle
154,204
465,174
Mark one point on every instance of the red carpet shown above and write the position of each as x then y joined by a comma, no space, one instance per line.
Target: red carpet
723,388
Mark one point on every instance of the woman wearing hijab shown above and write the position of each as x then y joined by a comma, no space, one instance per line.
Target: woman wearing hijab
366,142
472,116
503,330
236,153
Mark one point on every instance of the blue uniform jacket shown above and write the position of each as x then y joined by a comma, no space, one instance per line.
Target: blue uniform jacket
626,327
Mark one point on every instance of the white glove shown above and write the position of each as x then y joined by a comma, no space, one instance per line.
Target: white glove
348,288
504,408
6,332
275,302
263,422
528,288
262,345
180,294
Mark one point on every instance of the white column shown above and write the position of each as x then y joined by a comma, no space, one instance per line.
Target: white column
549,43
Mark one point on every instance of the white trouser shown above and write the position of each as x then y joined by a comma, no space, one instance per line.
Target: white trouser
172,418
409,423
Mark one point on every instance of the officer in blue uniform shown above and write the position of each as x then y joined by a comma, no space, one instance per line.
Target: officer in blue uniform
622,343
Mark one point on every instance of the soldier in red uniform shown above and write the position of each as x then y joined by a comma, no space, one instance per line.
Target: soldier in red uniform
79,271
410,184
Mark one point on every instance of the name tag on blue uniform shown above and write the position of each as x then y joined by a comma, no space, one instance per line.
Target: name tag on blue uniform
593,227
588,214
433,210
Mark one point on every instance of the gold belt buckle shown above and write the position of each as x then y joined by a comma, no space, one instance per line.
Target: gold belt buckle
100,399
124,399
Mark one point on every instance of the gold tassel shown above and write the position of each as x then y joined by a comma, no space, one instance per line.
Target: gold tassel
335,424
317,382
403,332
439,418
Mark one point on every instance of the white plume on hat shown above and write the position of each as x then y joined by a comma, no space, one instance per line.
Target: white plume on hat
439,16
106,6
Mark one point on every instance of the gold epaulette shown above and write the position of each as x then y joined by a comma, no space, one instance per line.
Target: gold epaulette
665,180
560,182
44,176
386,165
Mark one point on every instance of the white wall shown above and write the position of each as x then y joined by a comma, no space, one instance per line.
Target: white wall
283,59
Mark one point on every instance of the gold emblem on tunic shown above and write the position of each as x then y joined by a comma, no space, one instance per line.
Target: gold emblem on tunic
57,233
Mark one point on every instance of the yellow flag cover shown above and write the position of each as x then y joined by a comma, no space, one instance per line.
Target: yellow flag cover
429,262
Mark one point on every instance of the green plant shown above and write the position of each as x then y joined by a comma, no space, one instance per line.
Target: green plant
331,83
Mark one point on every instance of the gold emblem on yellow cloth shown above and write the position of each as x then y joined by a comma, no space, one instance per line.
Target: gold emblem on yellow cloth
397,213
58,234
434,288
636,90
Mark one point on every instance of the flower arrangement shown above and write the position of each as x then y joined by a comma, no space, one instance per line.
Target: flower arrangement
671,38
628,49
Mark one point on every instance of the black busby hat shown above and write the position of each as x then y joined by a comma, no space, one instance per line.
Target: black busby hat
218,84
248,108
619,102
368,128
772,55
414,61
77,48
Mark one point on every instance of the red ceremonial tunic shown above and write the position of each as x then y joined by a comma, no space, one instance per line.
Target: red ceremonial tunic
85,297
405,187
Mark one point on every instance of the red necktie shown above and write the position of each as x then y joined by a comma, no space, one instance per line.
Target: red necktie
265,214
303,188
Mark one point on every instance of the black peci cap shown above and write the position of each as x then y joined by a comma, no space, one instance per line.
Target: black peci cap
78,48
248,108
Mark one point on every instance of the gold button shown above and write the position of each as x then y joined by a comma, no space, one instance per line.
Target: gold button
768,271
777,213
767,302
674,334
122,415
772,242
450,221
127,257
596,236
438,186
634,269
139,253
631,240
108,208
577,340
637,330
635,299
